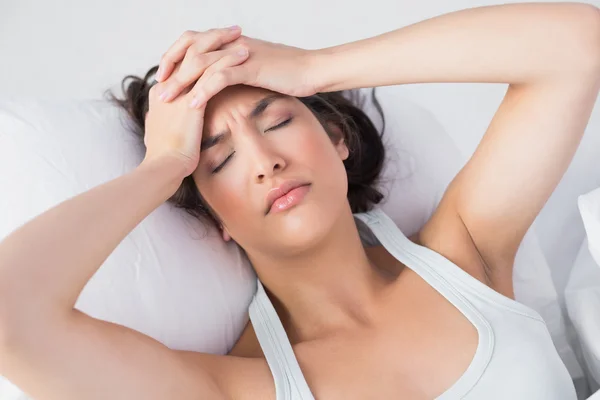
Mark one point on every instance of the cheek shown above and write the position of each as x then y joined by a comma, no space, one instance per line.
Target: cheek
226,197
317,153
311,147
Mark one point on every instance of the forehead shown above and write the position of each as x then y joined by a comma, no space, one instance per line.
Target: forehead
238,97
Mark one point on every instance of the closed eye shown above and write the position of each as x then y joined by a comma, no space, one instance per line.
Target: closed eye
284,123
280,125
220,166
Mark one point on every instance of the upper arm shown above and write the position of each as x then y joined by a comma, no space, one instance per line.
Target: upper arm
247,344
523,155
86,358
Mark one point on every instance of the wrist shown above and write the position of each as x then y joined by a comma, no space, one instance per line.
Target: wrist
320,70
167,171
330,68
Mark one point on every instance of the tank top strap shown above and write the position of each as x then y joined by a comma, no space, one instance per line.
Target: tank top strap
437,274
447,276
380,228
288,377
415,258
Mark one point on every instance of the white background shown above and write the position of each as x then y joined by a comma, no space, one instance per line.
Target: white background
78,49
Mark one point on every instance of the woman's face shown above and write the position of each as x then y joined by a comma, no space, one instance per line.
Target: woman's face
268,139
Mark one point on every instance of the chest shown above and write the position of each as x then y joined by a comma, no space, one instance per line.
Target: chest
418,353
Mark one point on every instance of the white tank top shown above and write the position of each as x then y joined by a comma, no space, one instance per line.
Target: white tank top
515,356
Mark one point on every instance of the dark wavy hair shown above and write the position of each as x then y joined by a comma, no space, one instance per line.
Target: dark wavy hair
341,109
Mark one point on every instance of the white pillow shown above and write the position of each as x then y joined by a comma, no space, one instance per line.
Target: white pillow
582,294
172,278
162,279
589,207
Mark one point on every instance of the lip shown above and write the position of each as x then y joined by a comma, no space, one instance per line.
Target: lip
282,190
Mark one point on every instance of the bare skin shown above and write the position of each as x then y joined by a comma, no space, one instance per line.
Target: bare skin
374,334
419,313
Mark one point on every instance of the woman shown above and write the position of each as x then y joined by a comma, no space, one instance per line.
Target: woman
428,317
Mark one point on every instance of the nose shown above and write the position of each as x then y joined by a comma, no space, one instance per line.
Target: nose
264,159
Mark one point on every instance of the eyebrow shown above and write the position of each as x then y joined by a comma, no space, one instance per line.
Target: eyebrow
259,108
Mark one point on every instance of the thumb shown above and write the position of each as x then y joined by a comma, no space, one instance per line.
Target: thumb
194,125
190,138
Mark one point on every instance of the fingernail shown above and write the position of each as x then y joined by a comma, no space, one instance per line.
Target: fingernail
158,73
194,103
242,52
234,27
163,96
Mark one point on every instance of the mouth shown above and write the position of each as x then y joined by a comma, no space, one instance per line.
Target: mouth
286,196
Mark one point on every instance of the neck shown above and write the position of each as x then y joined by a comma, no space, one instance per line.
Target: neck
326,288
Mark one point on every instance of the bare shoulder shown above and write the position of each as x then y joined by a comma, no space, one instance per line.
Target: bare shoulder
242,374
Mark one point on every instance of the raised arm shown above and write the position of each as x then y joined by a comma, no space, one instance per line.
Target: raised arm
549,54
517,43
53,351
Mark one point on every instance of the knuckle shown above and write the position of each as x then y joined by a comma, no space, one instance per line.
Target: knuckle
166,57
199,47
220,78
209,71
191,51
218,36
214,35
199,61
236,50
187,35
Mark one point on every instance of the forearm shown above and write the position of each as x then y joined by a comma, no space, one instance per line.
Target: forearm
45,264
512,43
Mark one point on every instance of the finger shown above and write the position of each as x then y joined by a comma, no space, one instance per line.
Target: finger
177,51
155,91
195,125
222,74
234,43
193,67
215,38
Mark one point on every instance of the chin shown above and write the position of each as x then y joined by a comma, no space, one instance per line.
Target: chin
305,226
